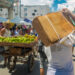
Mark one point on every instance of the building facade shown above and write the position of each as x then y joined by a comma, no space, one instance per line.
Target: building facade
7,8
31,11
17,8
70,6
4,12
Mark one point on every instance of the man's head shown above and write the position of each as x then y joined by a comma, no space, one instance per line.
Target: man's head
8,24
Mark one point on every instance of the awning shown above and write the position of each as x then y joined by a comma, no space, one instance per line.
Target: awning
16,20
3,19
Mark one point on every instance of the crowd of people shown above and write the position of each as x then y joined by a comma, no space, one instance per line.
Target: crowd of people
16,30
9,30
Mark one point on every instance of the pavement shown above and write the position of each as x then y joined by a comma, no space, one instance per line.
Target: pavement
21,69
74,64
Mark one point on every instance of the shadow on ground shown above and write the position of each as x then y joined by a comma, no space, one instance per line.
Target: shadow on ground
22,70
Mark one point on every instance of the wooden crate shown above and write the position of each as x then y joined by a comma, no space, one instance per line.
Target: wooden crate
18,44
15,51
52,27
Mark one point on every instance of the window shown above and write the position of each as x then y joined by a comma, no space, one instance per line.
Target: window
25,14
67,6
14,10
6,14
74,11
33,14
41,14
16,13
25,9
37,14
0,9
35,10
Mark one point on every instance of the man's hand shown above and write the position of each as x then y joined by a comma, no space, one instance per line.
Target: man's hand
2,31
66,11
69,15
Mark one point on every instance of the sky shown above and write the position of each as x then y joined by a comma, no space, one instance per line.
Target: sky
54,4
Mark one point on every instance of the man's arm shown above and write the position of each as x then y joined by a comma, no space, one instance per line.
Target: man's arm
69,13
2,31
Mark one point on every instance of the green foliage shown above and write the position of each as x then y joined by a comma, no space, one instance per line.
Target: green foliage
19,39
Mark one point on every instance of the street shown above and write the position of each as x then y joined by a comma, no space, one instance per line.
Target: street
74,64
21,69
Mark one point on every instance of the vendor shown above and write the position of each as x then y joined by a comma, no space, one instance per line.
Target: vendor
5,32
16,32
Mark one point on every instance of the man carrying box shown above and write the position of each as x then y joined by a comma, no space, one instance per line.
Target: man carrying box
60,57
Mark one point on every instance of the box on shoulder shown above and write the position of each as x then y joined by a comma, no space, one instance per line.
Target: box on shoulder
52,27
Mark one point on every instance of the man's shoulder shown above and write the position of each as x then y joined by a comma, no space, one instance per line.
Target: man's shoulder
3,29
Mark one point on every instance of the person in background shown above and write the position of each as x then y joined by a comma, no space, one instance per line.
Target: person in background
5,32
31,31
1,26
1,48
24,28
21,32
16,32
13,30
28,30
43,55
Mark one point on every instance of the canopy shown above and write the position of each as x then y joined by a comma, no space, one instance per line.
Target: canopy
16,20
27,20
24,23
3,19
8,22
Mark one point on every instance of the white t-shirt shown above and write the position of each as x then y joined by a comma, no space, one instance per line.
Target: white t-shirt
60,53
7,33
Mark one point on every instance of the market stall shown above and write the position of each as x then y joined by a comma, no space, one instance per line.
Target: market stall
21,46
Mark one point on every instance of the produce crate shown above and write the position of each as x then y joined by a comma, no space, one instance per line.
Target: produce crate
18,44
52,27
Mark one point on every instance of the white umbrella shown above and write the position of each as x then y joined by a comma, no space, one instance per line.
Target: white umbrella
3,19
24,23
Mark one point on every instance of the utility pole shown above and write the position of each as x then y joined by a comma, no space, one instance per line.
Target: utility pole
10,12
20,8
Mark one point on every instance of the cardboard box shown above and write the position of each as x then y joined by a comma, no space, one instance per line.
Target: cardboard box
52,27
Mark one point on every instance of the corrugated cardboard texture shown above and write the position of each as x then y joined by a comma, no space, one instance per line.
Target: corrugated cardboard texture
52,27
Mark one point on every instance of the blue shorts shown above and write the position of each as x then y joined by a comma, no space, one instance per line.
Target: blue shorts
73,45
67,70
